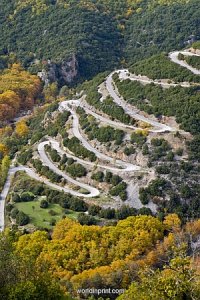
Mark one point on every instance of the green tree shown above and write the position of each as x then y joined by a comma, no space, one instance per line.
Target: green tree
44,204
22,219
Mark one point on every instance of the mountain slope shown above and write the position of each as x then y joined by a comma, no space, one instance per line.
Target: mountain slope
164,28
84,38
59,34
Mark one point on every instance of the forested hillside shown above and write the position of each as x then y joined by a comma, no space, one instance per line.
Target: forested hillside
57,34
161,29
99,34
18,90
81,257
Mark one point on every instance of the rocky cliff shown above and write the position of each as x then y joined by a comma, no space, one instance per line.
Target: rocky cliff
65,72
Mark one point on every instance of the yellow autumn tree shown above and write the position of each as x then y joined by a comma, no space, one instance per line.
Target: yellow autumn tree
172,222
93,256
21,128
3,149
75,248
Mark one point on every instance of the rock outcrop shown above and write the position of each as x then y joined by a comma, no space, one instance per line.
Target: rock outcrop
65,71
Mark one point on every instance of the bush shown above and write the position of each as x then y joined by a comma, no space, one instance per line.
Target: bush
76,170
99,176
70,161
124,212
94,210
54,155
37,189
84,219
119,190
143,195
157,186
145,211
44,204
123,195
78,205
116,179
16,198
108,177
163,169
138,138
14,213
22,219
108,213
9,207
129,150
26,197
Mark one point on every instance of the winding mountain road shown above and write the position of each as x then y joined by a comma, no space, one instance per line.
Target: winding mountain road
174,57
129,109
93,192
130,167
125,74
104,119
69,105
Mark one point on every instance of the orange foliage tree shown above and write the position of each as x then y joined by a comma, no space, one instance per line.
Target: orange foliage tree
18,90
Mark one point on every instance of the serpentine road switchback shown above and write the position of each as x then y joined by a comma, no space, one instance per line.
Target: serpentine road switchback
120,166
174,57
124,166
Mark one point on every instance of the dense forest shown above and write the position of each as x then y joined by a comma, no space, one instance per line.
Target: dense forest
159,66
150,254
57,34
100,34
161,29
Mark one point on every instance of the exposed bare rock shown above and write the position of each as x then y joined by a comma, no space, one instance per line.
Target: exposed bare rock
196,51
65,72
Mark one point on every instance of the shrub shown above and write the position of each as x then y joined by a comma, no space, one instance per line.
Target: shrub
99,176
44,204
76,170
108,213
14,213
94,210
143,194
16,198
84,219
26,196
22,219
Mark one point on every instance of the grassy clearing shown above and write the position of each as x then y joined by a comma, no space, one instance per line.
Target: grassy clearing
41,217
